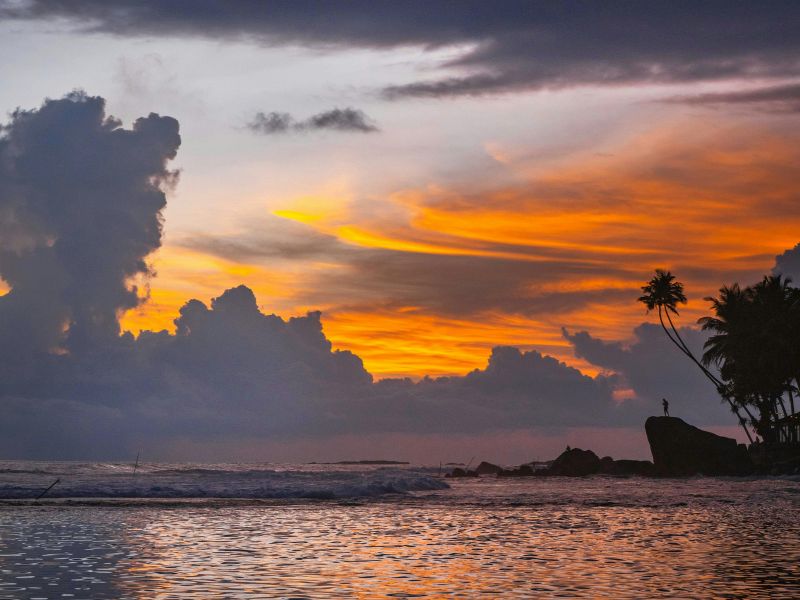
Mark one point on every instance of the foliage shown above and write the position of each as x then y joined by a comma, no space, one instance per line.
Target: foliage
754,343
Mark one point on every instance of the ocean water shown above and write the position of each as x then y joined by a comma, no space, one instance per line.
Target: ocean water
353,531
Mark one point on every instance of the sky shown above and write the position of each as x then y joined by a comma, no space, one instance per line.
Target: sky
311,231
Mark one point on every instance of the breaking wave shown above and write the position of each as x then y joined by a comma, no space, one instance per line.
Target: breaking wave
103,480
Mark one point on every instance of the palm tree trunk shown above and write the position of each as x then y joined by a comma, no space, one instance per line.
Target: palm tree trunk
749,414
717,383
783,407
688,352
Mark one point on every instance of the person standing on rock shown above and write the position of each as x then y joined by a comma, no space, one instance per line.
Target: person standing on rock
665,404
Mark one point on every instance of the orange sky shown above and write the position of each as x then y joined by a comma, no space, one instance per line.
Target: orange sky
715,203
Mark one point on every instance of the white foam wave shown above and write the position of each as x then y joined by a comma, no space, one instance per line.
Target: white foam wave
213,482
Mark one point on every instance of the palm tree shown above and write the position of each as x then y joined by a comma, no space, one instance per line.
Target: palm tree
663,293
729,347
754,345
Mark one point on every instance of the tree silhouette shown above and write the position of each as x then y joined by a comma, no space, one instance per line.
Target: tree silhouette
663,293
755,346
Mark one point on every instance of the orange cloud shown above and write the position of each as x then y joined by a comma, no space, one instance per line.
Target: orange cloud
428,280
184,274
714,203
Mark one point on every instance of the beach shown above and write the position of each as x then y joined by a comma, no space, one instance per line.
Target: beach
389,532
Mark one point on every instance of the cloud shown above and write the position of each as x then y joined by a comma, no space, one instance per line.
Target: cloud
81,200
339,119
508,47
80,210
232,372
268,124
578,236
778,98
653,368
429,279
267,239
788,264
336,119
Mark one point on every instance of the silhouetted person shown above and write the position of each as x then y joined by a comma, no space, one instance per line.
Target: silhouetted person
665,404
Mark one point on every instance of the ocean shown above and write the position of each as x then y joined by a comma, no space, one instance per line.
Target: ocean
370,531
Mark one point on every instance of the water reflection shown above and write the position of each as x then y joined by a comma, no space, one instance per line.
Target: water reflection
711,539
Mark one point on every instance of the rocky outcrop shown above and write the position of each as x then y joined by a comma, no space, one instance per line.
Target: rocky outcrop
574,462
487,468
459,472
680,449
521,471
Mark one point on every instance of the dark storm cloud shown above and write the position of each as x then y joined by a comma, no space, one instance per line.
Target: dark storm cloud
779,98
336,119
509,46
80,209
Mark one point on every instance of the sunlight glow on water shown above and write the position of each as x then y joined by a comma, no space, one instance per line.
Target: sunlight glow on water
627,538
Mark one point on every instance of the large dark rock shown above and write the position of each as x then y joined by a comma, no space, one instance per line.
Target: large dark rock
487,468
681,449
575,462
459,472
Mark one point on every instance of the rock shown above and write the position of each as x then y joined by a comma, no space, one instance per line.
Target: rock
680,449
487,468
457,472
521,471
575,462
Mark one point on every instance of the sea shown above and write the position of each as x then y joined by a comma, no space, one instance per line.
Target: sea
363,531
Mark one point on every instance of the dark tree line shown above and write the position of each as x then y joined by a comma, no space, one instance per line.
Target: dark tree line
754,346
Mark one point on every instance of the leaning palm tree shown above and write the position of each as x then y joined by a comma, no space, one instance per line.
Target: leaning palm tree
663,293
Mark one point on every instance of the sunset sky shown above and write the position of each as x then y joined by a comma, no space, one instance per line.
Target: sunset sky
438,179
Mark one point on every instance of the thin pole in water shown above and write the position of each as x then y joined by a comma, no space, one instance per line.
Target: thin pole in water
52,485
469,463
137,462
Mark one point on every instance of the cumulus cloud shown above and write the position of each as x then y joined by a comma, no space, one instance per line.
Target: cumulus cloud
508,47
80,209
653,368
336,119
230,372
788,264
